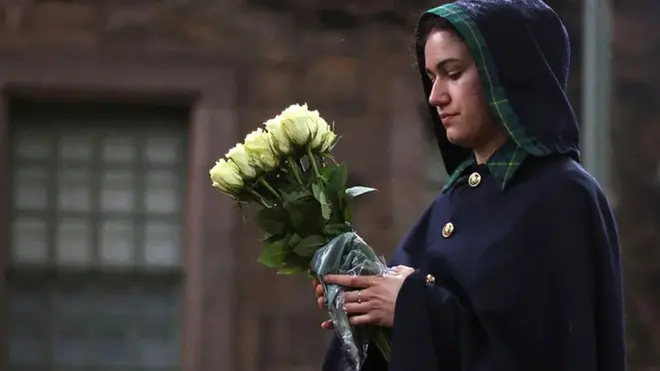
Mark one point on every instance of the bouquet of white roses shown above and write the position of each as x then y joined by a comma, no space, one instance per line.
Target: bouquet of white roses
289,171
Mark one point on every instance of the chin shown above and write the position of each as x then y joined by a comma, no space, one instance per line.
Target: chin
457,139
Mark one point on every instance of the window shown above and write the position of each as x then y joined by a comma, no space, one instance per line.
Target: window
96,235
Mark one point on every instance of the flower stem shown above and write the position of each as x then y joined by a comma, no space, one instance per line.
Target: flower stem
382,342
294,169
331,158
259,198
312,160
270,189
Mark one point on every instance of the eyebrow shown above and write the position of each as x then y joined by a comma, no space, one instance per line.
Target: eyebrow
444,62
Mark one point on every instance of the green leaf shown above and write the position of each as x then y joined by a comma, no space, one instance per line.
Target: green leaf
308,246
336,229
335,191
325,172
358,191
337,179
294,264
290,270
294,240
295,195
270,238
348,214
305,216
293,269
273,220
319,195
274,253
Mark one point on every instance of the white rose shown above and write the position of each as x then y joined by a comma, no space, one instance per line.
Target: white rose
259,148
298,124
226,177
322,128
238,156
278,137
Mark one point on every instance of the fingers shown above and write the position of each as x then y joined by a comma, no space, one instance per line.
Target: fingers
328,325
357,296
359,282
363,319
400,269
360,308
318,291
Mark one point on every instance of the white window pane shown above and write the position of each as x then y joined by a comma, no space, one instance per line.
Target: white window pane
30,241
70,343
31,188
163,150
117,243
30,145
74,190
162,244
74,242
162,192
76,147
118,149
117,191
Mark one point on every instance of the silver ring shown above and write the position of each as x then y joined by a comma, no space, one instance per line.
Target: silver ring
359,296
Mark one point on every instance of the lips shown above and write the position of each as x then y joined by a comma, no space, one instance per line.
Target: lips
447,116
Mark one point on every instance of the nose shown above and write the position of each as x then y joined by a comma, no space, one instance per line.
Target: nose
439,96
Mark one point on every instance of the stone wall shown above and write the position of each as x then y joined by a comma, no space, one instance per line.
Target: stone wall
354,66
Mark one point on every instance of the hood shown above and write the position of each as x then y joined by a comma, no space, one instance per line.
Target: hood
522,52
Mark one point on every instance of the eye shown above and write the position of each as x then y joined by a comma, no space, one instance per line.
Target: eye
454,75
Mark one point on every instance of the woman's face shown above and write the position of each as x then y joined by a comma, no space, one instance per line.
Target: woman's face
457,93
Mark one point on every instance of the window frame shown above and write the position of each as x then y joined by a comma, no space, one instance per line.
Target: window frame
208,87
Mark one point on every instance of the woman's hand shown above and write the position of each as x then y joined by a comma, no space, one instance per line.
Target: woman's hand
373,300
318,291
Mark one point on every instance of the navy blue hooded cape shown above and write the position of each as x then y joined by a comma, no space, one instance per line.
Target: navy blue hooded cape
527,275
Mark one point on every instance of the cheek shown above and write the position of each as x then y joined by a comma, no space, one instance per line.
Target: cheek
472,104
471,93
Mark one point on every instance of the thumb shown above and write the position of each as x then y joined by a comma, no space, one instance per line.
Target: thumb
327,325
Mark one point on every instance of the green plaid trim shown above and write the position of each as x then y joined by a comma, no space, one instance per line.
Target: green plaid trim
502,165
506,161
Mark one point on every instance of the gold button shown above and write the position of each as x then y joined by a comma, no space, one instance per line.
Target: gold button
430,280
474,179
447,230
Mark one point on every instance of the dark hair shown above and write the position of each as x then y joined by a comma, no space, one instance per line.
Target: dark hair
431,23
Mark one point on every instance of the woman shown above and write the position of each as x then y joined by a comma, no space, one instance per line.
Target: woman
515,266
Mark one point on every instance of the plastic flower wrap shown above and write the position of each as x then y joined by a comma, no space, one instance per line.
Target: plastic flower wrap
287,169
